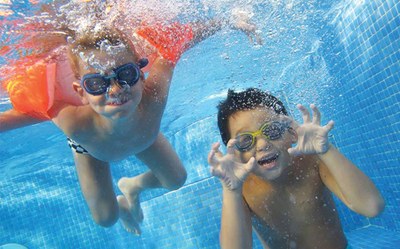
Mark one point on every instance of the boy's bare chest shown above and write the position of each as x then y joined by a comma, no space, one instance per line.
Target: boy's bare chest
294,212
122,141
287,208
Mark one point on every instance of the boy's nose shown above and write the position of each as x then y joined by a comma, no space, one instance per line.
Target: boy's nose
115,88
262,143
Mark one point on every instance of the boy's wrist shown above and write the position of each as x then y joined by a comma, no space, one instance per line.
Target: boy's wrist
226,190
328,148
219,23
237,189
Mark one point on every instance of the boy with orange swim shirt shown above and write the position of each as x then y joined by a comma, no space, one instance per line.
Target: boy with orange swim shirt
119,114
283,193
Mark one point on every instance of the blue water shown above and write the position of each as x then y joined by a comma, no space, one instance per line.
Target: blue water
342,55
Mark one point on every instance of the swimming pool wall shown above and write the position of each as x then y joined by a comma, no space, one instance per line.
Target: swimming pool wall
362,50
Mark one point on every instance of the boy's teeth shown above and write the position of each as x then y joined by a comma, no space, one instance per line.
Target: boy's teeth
267,160
116,101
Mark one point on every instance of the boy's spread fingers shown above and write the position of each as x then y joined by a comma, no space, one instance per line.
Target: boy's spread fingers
259,39
329,126
231,146
216,173
210,156
316,115
304,112
212,171
212,159
250,38
250,164
215,148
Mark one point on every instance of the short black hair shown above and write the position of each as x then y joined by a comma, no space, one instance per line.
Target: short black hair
248,99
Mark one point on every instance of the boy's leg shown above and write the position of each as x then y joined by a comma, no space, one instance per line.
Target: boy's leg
130,223
166,170
96,185
164,164
132,187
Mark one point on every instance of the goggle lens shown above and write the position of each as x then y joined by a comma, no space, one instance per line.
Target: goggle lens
128,75
96,85
273,131
244,142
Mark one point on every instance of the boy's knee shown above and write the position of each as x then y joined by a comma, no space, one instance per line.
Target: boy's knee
105,218
178,182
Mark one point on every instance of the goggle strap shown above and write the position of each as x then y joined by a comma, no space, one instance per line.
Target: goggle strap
143,62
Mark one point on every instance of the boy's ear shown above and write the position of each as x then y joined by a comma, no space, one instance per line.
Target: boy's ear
80,91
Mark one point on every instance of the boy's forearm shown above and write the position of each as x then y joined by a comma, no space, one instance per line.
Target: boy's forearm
205,29
12,119
235,222
356,187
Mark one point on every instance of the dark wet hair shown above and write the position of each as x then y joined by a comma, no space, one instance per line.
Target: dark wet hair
249,99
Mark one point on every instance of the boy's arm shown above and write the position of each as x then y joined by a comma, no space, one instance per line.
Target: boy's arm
204,29
12,119
350,184
235,221
236,230
158,82
160,75
340,175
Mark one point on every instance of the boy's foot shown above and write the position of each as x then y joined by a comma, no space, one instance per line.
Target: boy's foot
129,223
131,193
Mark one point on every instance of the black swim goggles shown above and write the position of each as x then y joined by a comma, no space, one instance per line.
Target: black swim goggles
127,74
271,130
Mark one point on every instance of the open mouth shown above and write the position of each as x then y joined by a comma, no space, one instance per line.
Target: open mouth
269,161
117,101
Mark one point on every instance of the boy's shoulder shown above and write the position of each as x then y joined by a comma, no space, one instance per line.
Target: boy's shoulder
73,119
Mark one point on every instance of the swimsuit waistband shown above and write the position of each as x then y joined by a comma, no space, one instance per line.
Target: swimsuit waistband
76,147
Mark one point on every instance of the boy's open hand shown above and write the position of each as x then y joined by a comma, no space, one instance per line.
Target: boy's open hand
240,20
312,137
231,173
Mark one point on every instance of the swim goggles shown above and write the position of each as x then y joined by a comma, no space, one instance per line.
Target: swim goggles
127,74
271,130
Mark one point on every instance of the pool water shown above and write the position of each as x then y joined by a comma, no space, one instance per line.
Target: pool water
342,55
